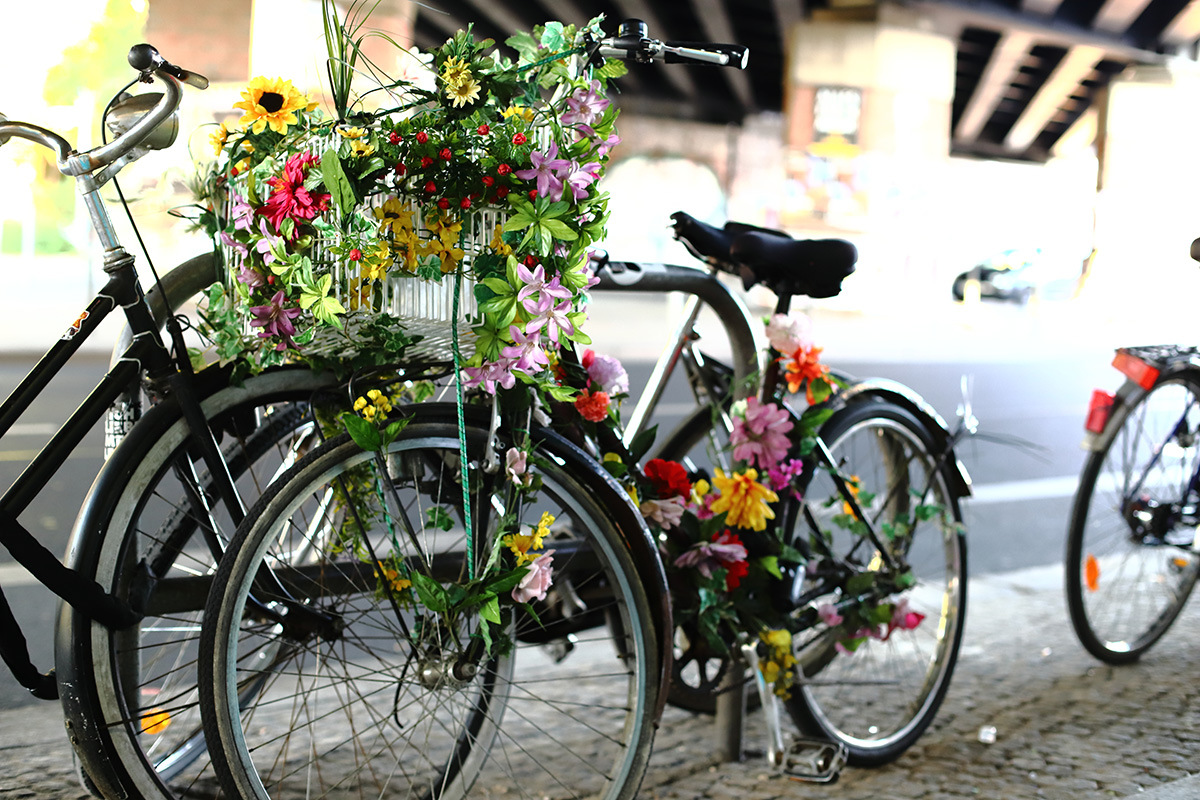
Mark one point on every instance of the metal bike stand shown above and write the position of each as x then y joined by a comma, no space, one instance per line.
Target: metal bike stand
730,720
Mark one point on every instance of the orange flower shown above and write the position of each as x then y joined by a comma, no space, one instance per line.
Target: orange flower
592,406
803,367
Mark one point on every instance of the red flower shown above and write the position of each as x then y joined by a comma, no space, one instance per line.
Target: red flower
531,260
443,204
592,406
488,180
430,187
401,169
483,130
446,154
670,479
503,169
519,138
394,138
422,137
356,254
533,194
425,162
734,572
464,203
502,192
289,198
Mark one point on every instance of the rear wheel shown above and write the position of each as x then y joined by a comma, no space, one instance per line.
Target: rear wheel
1130,564
151,533
878,699
368,689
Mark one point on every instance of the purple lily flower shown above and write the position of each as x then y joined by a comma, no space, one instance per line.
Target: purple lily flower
585,106
545,170
275,320
553,318
579,178
234,245
526,352
488,375
251,278
263,245
240,212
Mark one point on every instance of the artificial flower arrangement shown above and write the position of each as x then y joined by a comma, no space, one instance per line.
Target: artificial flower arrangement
723,546
476,180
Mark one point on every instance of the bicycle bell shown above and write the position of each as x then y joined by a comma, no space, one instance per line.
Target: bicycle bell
130,108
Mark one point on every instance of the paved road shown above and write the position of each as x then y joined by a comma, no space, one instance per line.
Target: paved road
1066,726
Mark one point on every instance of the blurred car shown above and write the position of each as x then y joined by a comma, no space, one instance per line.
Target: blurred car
1017,275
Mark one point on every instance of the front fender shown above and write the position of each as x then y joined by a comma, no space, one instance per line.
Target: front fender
903,396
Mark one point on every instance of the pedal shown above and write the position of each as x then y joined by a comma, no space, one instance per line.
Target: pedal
813,760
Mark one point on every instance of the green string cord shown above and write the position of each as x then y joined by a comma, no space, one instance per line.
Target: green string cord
462,429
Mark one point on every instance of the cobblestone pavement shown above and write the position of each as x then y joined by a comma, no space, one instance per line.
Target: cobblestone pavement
1066,725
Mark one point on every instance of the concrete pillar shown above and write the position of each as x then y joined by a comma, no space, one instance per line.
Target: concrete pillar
1146,213
868,108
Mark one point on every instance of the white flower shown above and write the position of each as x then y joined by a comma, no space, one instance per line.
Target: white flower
788,333
666,513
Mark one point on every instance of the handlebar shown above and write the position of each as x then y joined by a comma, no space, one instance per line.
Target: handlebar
150,64
632,44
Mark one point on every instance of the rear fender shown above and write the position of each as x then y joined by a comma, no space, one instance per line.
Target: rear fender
906,398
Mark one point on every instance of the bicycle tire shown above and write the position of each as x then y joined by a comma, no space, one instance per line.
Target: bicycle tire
590,714
128,742
1130,567
889,452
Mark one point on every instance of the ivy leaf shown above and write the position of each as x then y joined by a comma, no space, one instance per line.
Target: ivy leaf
613,68
553,36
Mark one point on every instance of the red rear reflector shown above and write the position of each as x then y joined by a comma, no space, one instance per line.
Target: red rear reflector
1135,369
1098,411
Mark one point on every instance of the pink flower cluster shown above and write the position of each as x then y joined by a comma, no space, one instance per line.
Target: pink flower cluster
759,436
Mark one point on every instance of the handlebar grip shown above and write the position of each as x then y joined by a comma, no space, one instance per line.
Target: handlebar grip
145,58
722,55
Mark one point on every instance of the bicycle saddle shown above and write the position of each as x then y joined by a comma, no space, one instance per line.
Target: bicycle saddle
712,244
813,267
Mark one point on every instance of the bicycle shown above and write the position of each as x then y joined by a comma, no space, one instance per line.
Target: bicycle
1131,560
154,523
378,545
878,430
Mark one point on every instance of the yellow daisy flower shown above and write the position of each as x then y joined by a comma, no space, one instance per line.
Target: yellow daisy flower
745,501
524,112
455,72
271,102
463,93
393,578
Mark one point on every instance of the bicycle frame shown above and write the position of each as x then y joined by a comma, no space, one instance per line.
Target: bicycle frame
146,353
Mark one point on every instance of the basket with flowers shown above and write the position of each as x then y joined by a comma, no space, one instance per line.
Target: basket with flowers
458,214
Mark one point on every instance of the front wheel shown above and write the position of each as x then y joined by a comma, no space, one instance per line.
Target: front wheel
876,688
1130,566
333,605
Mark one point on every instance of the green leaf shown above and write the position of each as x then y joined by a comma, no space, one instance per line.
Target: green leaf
337,182
771,565
498,286
553,37
364,433
431,593
438,518
642,442
560,230
491,610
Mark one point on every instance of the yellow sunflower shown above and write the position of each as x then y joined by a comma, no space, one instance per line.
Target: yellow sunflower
744,498
524,112
218,138
271,102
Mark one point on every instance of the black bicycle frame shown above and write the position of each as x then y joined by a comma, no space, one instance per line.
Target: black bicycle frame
146,352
